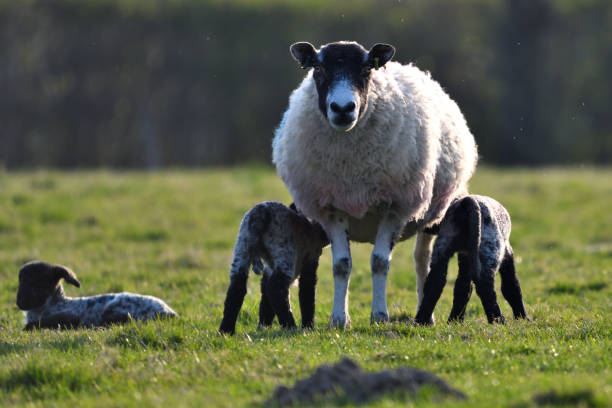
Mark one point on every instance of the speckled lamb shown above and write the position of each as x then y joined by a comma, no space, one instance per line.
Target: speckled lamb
478,228
290,245
41,296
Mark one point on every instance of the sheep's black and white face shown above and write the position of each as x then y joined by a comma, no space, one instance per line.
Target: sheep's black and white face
342,73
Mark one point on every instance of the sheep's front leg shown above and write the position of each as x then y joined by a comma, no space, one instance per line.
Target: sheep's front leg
386,237
337,231
422,259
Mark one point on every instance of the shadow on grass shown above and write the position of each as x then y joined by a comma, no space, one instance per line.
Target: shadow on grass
401,398
147,336
574,289
42,379
581,398
67,344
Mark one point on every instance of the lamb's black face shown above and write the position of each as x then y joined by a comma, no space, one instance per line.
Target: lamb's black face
342,72
35,288
39,280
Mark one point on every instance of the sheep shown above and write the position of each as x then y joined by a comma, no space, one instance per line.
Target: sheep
374,155
290,245
478,228
41,296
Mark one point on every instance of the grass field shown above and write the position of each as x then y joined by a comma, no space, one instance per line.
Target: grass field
170,234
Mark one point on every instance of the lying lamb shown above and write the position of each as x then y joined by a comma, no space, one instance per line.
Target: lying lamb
478,228
41,295
290,245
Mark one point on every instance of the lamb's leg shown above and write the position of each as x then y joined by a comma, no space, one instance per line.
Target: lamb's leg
463,290
337,231
233,300
422,259
56,321
435,281
308,283
277,290
485,288
386,237
510,285
111,315
266,313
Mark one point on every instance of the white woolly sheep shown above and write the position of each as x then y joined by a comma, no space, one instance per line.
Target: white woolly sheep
478,228
374,155
41,295
290,245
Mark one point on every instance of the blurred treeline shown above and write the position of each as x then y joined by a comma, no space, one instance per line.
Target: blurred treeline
147,83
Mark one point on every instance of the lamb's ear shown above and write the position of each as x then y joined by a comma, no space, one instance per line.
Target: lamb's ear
380,54
67,274
304,53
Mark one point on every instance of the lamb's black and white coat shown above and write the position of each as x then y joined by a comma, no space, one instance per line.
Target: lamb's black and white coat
41,296
478,229
290,246
374,155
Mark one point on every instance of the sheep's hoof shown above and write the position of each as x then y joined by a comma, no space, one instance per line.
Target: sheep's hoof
379,317
340,322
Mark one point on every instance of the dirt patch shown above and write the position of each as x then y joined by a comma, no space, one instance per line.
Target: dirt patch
346,378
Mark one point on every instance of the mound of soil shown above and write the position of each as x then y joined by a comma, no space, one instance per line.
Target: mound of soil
346,378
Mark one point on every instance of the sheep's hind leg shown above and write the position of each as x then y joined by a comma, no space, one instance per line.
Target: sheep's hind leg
510,287
277,290
341,259
422,258
386,237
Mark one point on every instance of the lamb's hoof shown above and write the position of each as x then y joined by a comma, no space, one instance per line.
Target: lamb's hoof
340,322
379,317
424,321
522,316
227,331
498,320
308,325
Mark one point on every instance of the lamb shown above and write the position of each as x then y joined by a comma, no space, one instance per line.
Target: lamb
290,245
41,296
478,228
374,155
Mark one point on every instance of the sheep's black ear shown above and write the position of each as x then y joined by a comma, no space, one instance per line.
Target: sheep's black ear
292,207
380,54
67,274
304,53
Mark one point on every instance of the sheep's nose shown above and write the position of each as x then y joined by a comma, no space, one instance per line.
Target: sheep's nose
348,108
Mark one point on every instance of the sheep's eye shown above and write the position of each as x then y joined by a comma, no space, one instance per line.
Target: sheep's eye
318,69
365,71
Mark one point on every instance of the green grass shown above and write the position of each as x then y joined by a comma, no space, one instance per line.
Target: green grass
170,234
